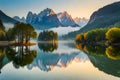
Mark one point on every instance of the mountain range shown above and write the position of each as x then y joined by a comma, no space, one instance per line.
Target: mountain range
46,19
108,16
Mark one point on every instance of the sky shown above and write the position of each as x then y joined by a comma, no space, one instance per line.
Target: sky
76,8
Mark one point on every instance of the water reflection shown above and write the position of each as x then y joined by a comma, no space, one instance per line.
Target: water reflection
105,58
3,58
48,61
48,46
113,52
45,58
106,65
43,65
20,56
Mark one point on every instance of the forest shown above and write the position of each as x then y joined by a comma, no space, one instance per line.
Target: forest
100,36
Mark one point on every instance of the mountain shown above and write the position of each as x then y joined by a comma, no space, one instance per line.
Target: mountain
81,21
66,19
105,17
47,19
19,19
44,20
6,19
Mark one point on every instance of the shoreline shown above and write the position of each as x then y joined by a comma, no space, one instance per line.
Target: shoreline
13,43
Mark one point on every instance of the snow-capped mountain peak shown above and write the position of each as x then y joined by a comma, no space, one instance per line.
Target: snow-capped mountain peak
44,20
81,21
48,19
66,19
46,12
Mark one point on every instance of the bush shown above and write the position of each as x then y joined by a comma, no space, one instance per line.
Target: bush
113,35
2,35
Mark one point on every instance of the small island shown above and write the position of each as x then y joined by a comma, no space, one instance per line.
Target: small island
20,34
48,36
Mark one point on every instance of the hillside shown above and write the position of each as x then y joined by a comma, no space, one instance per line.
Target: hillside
6,19
107,16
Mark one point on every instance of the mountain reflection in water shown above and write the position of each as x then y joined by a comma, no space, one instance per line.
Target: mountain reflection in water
47,61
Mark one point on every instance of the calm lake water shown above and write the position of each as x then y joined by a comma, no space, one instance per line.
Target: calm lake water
60,61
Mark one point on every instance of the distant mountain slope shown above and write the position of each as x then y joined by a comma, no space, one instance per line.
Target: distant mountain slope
103,18
66,19
19,19
6,19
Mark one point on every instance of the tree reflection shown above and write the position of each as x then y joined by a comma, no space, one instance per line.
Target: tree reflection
79,46
1,58
92,49
2,53
113,52
109,62
22,56
95,49
48,47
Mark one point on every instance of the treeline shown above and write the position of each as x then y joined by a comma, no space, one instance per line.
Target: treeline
48,36
21,32
103,35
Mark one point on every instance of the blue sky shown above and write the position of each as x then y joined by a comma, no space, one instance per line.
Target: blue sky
77,8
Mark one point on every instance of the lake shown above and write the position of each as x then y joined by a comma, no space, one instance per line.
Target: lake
58,61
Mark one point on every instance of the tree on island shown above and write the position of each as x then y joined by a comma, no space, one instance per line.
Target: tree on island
21,32
24,32
2,26
2,35
48,36
10,34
